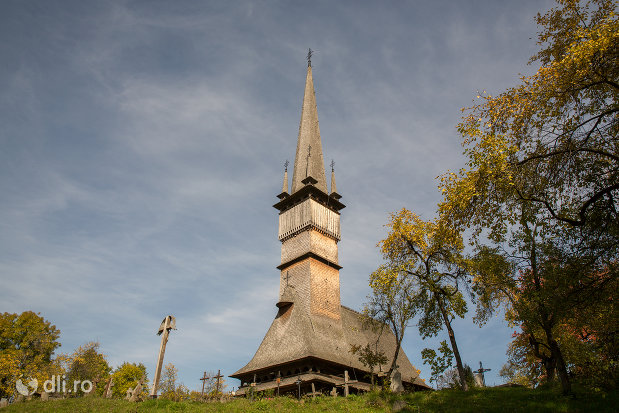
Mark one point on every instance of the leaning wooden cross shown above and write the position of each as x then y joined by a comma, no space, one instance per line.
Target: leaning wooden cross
204,379
135,394
107,393
168,323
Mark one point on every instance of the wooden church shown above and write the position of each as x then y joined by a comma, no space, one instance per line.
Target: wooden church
308,344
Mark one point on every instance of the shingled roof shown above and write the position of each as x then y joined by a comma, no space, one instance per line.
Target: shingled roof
295,335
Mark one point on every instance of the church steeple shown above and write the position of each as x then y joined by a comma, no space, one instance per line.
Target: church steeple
308,161
310,337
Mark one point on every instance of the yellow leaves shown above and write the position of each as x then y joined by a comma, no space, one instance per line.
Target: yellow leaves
9,366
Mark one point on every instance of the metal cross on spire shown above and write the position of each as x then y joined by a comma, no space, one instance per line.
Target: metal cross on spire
309,153
310,53
332,165
286,165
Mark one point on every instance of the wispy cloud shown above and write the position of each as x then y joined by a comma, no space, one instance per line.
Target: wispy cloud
143,144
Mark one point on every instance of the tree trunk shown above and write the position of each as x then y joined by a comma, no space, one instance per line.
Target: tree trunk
549,362
395,357
566,386
454,346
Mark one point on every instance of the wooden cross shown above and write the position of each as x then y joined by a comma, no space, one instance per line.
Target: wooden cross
298,383
217,383
314,393
204,379
481,372
107,393
168,323
347,381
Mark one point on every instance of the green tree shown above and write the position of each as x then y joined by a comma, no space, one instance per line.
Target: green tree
126,377
86,363
369,357
450,379
428,256
27,344
438,363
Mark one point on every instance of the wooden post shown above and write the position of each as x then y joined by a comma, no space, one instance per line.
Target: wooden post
279,379
345,383
167,324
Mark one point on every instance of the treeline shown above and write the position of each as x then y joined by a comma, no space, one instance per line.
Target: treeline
27,352
28,344
537,203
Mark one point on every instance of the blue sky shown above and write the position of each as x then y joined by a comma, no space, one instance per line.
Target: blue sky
142,147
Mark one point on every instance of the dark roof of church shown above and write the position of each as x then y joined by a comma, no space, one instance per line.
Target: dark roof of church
296,335
309,136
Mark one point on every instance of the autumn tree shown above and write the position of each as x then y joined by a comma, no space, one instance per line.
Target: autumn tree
170,388
126,376
390,304
87,363
583,325
427,258
27,345
551,141
548,149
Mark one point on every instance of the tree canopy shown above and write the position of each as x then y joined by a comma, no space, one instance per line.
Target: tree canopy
425,274
539,190
27,344
552,140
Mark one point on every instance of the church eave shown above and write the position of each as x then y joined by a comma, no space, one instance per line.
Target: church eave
309,191
306,256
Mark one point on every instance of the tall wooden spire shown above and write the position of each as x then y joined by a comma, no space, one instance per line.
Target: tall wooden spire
311,335
308,161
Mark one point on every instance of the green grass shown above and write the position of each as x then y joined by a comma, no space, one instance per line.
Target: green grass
500,400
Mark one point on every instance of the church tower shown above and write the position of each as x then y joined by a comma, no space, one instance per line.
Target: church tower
312,333
309,224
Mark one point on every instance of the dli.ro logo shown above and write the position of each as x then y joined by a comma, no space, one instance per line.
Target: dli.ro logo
56,384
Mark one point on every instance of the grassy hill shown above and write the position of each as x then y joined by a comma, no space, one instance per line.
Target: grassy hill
500,400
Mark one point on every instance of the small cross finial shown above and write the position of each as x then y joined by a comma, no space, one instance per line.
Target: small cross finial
286,165
309,57
332,165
